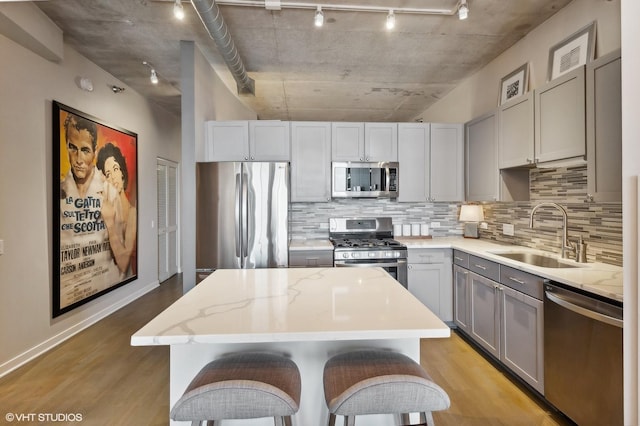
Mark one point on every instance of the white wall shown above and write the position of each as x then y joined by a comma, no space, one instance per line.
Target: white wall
479,94
28,84
204,97
630,185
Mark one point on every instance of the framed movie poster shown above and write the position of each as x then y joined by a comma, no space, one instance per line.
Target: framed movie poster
95,200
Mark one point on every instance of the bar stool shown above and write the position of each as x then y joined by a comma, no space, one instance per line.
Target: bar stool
242,386
380,382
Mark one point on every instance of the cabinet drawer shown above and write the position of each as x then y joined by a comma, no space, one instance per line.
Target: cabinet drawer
484,267
461,258
524,282
428,255
310,258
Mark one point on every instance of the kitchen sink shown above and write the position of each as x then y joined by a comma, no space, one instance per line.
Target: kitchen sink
536,260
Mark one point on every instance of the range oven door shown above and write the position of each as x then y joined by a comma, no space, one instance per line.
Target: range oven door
396,268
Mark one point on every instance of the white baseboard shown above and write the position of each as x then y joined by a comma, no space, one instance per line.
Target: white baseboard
54,341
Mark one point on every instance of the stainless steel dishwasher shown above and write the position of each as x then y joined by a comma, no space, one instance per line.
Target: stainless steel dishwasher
583,355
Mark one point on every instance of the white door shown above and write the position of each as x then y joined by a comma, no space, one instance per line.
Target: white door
167,175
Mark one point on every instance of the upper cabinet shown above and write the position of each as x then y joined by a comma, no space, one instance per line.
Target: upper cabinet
364,141
604,129
269,141
310,161
247,141
226,141
481,151
515,132
447,162
431,158
413,157
560,118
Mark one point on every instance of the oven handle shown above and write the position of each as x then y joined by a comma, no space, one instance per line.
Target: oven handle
583,311
368,265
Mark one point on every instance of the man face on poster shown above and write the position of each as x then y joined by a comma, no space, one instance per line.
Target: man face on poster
81,136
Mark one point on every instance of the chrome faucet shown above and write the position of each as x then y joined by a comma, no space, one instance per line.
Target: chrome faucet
566,244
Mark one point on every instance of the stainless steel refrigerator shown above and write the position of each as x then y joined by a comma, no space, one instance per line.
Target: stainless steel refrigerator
242,216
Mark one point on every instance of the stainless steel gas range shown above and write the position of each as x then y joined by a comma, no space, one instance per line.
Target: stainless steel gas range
367,242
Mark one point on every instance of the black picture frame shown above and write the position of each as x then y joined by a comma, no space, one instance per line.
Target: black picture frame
94,209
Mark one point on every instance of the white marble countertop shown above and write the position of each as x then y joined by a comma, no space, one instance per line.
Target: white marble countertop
292,305
598,278
311,244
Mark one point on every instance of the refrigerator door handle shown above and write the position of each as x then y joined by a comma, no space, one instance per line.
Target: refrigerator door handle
245,218
238,208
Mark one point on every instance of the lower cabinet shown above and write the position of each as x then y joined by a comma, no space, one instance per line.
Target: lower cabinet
429,280
310,258
504,316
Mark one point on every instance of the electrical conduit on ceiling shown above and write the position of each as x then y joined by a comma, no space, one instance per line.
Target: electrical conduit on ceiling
213,21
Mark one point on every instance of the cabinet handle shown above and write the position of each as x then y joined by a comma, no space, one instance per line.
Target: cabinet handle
517,280
589,198
410,267
484,268
458,258
529,160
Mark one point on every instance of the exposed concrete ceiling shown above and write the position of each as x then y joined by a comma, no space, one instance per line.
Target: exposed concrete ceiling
351,69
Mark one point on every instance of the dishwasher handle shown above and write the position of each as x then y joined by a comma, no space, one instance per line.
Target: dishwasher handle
584,311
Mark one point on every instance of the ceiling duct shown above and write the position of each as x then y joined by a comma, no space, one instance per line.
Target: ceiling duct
210,15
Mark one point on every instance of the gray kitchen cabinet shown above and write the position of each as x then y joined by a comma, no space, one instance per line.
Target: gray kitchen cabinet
269,140
501,309
310,161
485,313
347,141
521,329
516,132
413,158
481,165
364,141
431,158
446,165
310,258
247,141
560,118
604,129
226,141
461,299
381,141
429,280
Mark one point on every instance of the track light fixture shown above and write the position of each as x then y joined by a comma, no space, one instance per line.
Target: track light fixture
391,20
154,76
318,20
463,10
178,10
116,89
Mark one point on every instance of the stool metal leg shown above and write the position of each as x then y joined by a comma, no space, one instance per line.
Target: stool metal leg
282,421
349,420
332,420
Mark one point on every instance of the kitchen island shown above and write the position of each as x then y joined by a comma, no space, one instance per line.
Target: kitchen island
308,314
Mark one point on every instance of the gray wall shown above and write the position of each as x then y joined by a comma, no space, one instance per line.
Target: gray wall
28,84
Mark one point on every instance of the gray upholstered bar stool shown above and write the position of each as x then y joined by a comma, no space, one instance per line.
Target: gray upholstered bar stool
242,386
380,382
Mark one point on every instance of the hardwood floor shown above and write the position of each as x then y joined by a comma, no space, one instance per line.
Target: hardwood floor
98,375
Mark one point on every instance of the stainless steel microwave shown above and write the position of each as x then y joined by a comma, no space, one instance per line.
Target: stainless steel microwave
364,180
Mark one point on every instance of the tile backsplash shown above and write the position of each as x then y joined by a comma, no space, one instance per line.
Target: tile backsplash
599,224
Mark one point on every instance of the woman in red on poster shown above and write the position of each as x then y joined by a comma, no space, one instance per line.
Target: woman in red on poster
118,214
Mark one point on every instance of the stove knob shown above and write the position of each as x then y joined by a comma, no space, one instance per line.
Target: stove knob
354,255
396,254
372,254
345,255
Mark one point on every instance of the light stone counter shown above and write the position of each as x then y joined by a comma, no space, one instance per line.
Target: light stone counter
307,313
597,278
